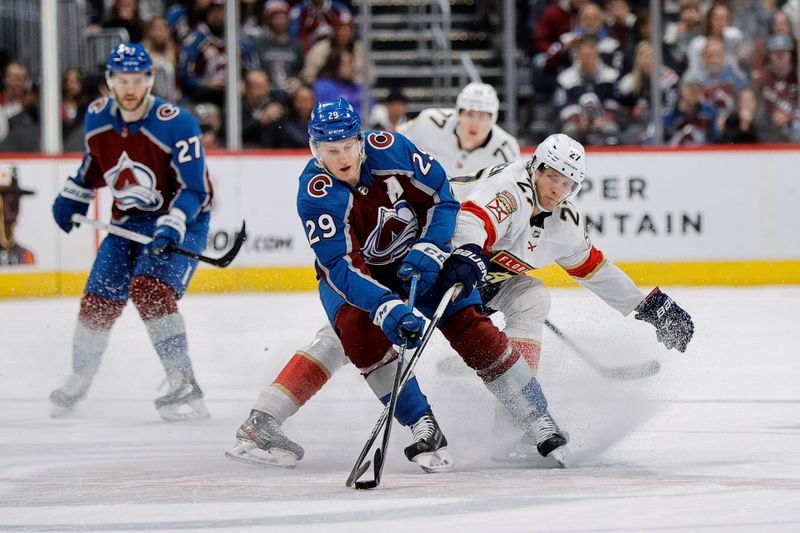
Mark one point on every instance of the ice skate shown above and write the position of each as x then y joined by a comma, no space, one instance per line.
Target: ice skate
544,440
65,397
184,401
429,449
260,441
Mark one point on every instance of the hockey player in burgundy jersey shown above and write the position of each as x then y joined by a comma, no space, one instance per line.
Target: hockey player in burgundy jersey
148,152
377,209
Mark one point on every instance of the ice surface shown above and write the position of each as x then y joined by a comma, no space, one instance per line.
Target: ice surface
712,443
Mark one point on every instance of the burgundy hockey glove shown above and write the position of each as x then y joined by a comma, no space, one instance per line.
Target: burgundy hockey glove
674,326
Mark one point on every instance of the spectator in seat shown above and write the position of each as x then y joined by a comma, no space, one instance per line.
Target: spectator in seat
204,60
781,25
634,95
261,108
280,55
209,117
125,14
159,42
291,130
342,38
742,125
392,113
678,35
185,16
777,89
74,102
337,79
693,121
722,80
313,19
586,98
717,23
19,111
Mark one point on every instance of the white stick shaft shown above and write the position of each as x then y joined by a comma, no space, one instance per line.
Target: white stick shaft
115,230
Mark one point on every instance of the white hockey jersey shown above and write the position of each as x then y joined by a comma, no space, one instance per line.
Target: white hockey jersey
498,215
434,130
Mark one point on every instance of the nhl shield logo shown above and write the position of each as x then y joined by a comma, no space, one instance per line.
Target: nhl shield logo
133,185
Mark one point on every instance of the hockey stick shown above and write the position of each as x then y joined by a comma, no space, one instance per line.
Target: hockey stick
381,451
359,468
221,262
625,372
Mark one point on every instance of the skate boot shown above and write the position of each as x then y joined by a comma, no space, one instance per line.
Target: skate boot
260,441
544,439
65,398
429,449
183,401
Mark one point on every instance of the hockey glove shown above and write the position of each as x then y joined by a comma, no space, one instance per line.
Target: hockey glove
425,258
398,321
170,230
72,199
674,327
468,265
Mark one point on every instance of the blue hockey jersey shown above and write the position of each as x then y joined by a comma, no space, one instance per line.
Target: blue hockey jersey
361,234
150,165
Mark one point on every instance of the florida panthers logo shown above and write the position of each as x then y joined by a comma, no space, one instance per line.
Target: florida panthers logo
133,185
393,236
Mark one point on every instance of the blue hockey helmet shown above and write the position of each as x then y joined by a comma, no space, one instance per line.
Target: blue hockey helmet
129,58
333,121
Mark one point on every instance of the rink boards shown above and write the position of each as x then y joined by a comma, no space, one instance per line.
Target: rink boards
675,217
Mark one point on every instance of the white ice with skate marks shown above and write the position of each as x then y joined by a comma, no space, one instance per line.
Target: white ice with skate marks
711,443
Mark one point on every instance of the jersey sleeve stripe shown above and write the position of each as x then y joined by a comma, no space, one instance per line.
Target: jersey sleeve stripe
471,207
589,267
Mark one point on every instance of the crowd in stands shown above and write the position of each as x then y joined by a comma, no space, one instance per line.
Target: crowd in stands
729,73
729,70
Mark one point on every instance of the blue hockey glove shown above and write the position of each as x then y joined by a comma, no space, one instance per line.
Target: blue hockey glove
425,258
170,229
467,265
398,321
72,199
674,327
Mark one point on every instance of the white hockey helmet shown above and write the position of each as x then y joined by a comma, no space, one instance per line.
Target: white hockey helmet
478,96
564,154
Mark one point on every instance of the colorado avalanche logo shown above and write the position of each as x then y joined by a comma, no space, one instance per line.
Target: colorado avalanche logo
394,234
318,186
133,185
167,112
381,140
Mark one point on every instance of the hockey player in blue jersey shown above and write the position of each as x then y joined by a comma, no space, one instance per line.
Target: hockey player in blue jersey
376,210
148,152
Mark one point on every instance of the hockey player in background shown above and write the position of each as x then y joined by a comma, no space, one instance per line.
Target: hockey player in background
467,138
148,152
377,210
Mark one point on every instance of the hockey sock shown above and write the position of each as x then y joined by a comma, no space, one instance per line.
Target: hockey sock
301,378
479,343
92,332
411,403
530,351
519,391
158,307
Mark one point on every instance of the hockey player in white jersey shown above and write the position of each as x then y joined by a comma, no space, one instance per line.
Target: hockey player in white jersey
467,138
518,218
